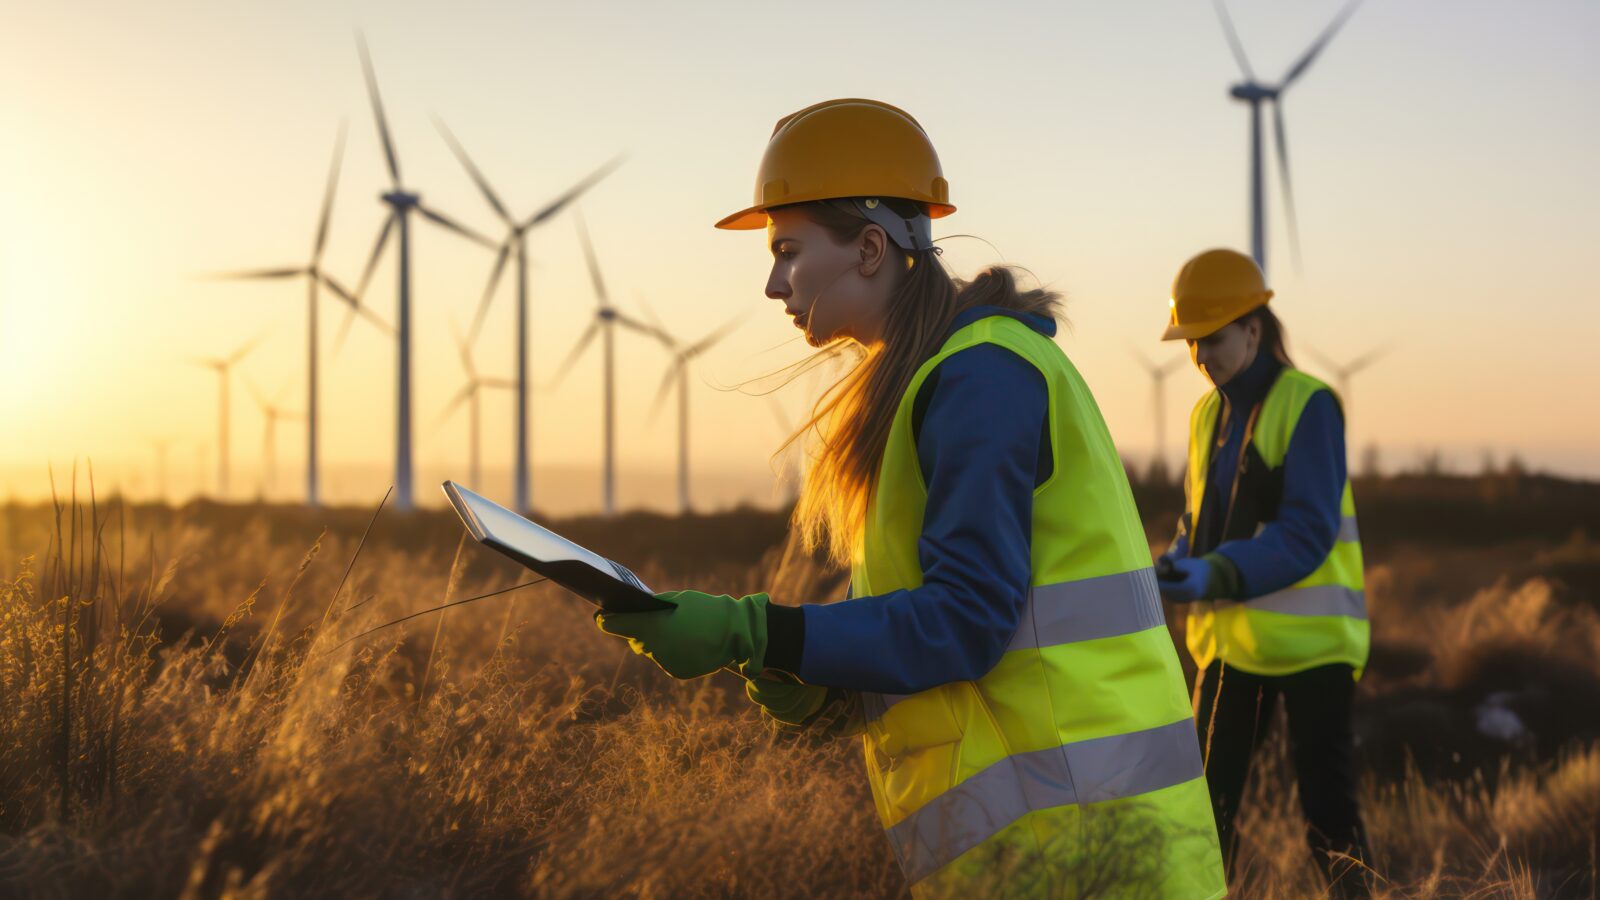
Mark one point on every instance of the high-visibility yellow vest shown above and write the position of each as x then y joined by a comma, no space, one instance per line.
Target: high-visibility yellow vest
1317,621
1073,767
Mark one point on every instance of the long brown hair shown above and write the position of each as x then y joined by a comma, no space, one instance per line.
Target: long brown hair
852,418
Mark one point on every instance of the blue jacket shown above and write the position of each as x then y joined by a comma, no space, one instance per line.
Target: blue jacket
1307,524
975,544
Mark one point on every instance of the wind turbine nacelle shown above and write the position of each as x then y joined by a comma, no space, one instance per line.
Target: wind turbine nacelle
1250,92
400,198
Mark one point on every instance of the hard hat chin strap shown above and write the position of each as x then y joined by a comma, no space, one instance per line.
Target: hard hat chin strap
910,235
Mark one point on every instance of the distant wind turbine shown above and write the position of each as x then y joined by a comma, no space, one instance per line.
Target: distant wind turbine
316,278
222,366
1342,373
402,202
793,455
1256,93
469,395
606,318
1159,373
677,374
515,243
274,412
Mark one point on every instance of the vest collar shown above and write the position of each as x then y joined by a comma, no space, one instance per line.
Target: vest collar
1044,326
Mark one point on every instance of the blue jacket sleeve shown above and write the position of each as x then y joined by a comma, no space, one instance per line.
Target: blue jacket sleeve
1291,547
979,450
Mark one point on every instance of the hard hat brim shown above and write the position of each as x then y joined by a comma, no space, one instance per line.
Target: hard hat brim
1194,331
753,217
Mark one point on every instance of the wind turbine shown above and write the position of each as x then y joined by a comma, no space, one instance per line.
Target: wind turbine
316,278
274,412
469,395
1342,373
606,318
1256,93
515,243
1159,373
402,202
677,374
222,366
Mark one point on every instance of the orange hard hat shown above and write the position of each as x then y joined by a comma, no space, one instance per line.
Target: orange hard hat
846,148
1211,290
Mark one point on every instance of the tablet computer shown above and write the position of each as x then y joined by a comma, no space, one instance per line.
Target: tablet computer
602,582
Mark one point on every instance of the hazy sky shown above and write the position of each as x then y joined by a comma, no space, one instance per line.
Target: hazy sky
1443,156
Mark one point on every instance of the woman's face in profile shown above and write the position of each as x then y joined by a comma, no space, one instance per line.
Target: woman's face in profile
825,286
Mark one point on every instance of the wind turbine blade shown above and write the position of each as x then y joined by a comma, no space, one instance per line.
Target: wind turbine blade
509,384
355,305
327,198
600,294
573,192
377,110
461,397
577,351
344,328
1282,142
1233,39
1361,362
1322,360
661,392
377,252
1171,365
245,348
710,340
472,170
628,321
1138,355
488,290
444,221
256,274
656,323
255,392
1300,66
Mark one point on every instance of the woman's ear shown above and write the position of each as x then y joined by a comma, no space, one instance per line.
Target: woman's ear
874,248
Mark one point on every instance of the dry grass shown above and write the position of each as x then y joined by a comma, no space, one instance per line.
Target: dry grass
185,718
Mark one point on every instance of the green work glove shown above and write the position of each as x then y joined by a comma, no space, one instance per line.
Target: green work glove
700,635
787,702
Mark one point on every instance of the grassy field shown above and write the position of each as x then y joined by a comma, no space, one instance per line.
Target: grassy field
189,711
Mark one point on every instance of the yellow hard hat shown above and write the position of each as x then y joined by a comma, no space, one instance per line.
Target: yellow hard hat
846,148
1211,290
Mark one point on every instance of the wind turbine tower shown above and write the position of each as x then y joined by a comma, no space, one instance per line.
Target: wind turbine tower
469,395
222,366
1159,373
1256,93
515,244
677,374
402,202
316,278
606,318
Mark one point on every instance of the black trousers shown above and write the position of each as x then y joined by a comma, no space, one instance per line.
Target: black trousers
1236,710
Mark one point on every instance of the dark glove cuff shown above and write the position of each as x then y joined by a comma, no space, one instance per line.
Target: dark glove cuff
786,637
1224,582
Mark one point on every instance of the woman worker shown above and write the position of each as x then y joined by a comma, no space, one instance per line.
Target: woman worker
1026,724
1267,553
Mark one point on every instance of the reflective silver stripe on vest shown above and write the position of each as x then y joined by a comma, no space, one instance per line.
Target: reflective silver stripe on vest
1088,609
1070,611
1348,532
1321,600
1108,768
